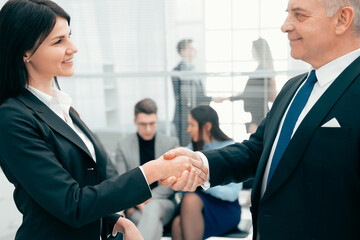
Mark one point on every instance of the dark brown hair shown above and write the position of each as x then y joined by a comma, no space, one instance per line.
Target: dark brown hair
147,106
203,114
24,25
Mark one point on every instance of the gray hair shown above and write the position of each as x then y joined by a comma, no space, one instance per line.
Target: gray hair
333,6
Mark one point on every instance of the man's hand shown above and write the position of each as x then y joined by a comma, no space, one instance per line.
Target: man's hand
189,179
141,206
181,151
219,99
183,168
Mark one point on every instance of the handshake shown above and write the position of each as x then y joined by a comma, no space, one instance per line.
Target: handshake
179,168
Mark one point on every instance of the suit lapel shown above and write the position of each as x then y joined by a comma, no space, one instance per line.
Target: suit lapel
159,145
311,122
273,121
134,152
99,151
52,120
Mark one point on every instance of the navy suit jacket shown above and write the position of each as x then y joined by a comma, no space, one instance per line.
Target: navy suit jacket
315,190
60,190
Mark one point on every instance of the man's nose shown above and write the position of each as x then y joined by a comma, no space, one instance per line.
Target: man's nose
287,25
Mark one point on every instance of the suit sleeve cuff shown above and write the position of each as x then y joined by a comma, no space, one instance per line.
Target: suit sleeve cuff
206,184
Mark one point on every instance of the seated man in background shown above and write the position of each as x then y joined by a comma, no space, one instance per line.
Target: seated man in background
136,149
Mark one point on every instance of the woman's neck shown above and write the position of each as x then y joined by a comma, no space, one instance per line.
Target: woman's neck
208,139
43,86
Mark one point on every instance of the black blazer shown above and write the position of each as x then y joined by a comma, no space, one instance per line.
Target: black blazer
315,190
60,190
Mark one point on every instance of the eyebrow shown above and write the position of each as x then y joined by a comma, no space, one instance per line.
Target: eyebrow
60,36
296,9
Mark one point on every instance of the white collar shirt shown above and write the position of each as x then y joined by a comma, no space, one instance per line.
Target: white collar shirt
326,76
60,104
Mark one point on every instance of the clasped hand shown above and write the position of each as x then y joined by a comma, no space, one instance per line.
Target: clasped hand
189,173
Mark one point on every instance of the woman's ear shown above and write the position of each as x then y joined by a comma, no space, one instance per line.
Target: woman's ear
26,57
208,126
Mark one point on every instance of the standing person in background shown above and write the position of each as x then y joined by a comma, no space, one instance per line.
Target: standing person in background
258,91
189,91
56,165
137,149
305,154
217,210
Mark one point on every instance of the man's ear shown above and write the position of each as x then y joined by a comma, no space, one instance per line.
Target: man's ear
344,19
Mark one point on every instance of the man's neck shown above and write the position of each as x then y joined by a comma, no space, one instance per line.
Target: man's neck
341,48
141,138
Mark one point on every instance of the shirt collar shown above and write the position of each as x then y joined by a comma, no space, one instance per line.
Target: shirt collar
60,103
64,99
330,71
46,99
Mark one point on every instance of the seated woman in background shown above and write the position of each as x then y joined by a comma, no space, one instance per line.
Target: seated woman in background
217,210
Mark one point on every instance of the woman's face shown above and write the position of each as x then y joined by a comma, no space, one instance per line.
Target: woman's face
193,128
54,57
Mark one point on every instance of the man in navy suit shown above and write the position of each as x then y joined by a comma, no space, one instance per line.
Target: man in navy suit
311,190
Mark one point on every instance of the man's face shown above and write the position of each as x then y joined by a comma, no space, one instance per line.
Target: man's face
189,53
310,31
146,125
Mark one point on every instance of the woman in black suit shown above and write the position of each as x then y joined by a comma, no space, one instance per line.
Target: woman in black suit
58,168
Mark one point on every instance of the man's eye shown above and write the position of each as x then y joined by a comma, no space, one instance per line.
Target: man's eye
300,16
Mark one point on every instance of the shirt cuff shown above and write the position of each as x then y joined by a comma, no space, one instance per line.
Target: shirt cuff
144,176
206,184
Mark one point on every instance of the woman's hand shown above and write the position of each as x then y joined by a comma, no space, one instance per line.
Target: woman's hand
128,228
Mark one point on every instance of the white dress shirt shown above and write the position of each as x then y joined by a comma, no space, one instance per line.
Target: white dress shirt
60,104
326,76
